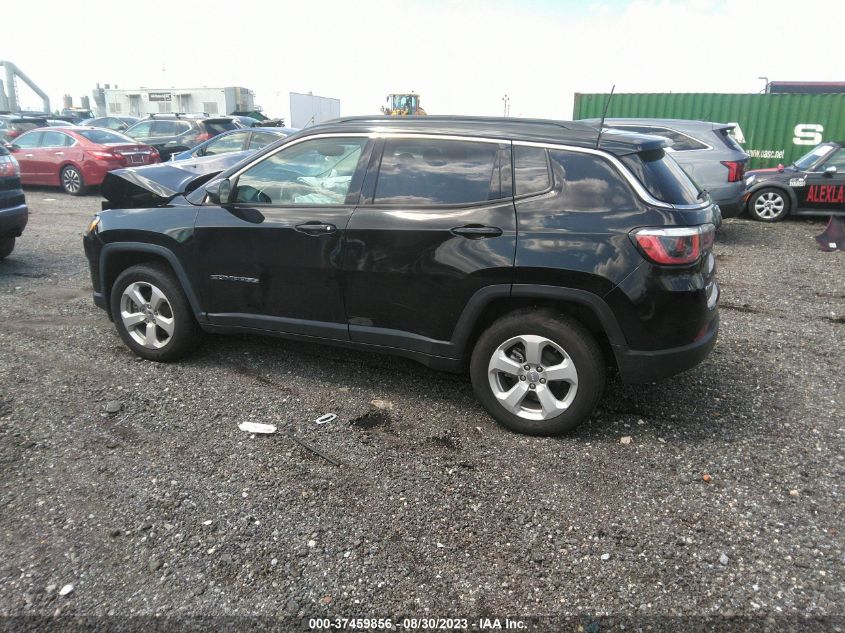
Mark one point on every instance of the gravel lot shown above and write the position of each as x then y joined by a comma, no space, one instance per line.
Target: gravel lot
166,508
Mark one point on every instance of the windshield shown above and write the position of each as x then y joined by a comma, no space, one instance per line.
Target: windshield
105,137
812,157
663,177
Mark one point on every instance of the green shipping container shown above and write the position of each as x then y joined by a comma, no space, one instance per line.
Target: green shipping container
773,128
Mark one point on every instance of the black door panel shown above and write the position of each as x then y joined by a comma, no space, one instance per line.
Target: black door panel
414,258
256,261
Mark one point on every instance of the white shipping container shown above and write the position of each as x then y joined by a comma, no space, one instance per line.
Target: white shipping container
308,109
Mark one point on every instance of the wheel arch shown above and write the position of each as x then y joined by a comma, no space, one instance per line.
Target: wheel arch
494,302
117,257
790,194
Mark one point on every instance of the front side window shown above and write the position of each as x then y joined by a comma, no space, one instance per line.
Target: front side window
312,172
590,183
438,172
837,159
28,141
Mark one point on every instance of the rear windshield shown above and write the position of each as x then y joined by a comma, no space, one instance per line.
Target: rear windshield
224,125
104,137
25,126
662,177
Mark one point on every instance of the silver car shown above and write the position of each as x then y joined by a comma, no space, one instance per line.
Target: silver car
707,152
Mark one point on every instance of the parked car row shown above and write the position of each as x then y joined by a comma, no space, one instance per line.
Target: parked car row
54,152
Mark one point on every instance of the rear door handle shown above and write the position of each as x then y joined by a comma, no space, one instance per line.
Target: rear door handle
476,231
316,228
27,155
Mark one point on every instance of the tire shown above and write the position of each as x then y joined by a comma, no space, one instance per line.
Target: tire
564,348
769,205
7,245
152,314
72,182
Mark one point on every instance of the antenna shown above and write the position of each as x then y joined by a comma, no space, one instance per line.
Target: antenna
604,115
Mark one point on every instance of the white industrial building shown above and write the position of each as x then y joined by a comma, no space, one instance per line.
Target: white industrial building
143,101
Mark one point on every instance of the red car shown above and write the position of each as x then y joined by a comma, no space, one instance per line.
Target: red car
75,158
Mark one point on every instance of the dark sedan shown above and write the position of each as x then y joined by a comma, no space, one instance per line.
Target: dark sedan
812,185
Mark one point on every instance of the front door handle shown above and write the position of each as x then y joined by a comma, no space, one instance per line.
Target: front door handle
316,228
27,155
60,153
477,231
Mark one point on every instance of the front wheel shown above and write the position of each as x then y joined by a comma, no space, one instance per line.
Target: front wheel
72,182
538,372
768,205
152,314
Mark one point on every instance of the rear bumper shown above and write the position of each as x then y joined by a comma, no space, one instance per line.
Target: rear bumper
649,366
13,220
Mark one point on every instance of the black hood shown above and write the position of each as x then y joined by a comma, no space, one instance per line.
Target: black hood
157,184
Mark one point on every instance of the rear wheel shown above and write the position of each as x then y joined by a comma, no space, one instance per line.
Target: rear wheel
152,314
72,182
769,205
538,372
7,245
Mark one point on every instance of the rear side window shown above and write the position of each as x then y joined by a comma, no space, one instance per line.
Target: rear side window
436,172
24,126
531,170
662,177
590,183
55,139
262,139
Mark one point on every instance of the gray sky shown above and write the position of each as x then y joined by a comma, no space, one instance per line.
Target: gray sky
460,56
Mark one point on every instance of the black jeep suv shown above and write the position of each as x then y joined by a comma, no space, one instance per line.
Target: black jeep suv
531,252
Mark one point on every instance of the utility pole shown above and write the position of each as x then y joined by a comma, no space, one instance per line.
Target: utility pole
506,101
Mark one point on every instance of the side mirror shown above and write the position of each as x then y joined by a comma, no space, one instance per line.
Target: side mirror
830,171
12,147
220,192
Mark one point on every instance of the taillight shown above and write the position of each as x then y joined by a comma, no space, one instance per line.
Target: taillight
736,169
103,155
9,167
674,246
203,136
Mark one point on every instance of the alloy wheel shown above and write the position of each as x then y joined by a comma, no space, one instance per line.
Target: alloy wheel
71,180
532,377
147,315
769,205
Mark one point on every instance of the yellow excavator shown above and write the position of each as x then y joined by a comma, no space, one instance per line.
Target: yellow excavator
405,104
